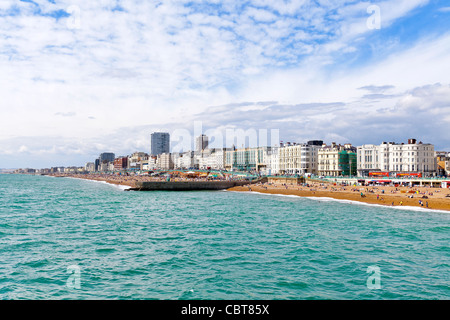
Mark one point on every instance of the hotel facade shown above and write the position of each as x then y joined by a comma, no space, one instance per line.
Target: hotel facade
411,157
337,160
300,158
247,159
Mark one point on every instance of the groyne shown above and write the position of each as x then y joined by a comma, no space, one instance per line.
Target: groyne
188,185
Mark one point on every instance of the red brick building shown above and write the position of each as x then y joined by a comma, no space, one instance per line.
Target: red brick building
120,163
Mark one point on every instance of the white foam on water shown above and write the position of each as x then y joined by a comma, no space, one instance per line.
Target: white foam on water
408,208
118,186
268,194
328,199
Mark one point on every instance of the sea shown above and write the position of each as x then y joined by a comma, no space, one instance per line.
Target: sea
63,238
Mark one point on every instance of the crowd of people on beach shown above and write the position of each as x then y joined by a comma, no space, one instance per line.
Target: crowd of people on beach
378,193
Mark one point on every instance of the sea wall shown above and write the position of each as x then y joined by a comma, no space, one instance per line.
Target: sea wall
187,185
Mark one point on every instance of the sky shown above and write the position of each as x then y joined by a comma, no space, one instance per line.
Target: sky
78,78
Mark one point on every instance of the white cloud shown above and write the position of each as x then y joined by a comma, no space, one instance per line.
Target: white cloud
148,63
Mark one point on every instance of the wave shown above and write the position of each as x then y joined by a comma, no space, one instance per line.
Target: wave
119,186
409,208
328,199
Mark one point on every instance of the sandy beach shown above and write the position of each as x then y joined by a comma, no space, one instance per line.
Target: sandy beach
431,198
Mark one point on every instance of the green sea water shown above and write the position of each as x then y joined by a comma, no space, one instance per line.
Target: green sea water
63,238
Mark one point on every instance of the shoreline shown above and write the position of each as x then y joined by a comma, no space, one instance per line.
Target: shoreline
346,201
434,203
108,180
123,187
392,197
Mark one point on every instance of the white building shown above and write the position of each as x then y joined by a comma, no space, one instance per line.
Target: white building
175,159
300,158
213,159
134,161
182,160
203,159
247,159
219,156
164,161
272,161
411,157
368,159
150,163
336,160
89,167
185,160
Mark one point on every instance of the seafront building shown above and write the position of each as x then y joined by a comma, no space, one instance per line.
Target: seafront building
186,160
397,158
311,158
164,161
89,167
160,143
204,159
272,162
134,161
74,170
247,159
442,163
149,163
121,163
106,166
337,160
300,158
216,159
105,162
